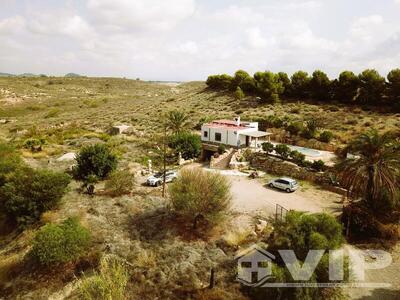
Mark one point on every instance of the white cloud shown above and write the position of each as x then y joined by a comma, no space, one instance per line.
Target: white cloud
12,24
128,15
182,39
255,38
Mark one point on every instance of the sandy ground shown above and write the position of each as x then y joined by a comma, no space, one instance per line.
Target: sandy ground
253,195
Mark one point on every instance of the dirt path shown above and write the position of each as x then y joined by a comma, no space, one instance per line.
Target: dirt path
252,196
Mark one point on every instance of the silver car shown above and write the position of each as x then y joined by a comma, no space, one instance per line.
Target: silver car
158,178
285,183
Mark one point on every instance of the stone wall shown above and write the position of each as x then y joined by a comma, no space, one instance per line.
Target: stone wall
277,166
222,161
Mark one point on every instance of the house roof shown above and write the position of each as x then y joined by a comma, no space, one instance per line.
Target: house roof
227,124
256,134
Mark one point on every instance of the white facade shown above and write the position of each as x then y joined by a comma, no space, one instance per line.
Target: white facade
230,133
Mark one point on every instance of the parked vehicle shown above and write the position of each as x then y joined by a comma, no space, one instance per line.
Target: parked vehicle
158,178
285,183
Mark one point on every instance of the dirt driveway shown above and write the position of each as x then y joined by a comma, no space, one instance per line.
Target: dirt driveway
253,195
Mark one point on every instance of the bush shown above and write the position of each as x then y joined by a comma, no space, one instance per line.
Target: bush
302,232
109,283
61,243
120,183
282,150
297,157
326,136
197,194
188,144
221,149
318,165
28,193
96,160
268,147
10,161
34,145
295,127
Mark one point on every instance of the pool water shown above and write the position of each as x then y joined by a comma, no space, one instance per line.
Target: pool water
306,151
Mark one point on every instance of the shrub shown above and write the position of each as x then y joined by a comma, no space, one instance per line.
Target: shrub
34,145
221,149
297,157
28,193
120,183
96,160
197,194
109,283
9,162
302,232
326,136
268,147
282,150
295,127
60,243
239,95
188,144
318,165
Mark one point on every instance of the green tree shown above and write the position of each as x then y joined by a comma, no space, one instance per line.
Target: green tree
297,157
320,86
393,87
197,194
94,161
283,78
28,193
239,95
375,172
372,86
346,87
326,136
177,121
300,85
282,150
188,144
268,86
268,147
239,78
302,232
60,243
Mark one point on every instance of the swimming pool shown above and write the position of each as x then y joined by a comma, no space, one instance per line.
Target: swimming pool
306,151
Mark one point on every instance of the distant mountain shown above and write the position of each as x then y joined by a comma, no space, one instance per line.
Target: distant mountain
6,75
27,75
73,75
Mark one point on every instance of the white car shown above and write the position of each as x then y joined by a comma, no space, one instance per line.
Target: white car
158,178
285,183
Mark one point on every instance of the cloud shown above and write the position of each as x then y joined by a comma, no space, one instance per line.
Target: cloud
255,38
12,24
184,39
127,15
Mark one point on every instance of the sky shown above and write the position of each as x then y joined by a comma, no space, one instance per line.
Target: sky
190,39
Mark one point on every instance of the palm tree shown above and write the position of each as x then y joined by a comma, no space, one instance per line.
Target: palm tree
375,170
176,121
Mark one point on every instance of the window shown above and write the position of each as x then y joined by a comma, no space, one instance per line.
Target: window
217,136
205,134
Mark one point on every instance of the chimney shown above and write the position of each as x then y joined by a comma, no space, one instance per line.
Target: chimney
237,119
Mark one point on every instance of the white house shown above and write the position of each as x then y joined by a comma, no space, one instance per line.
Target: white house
233,133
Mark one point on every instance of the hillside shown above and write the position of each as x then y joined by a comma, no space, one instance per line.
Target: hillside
97,103
166,258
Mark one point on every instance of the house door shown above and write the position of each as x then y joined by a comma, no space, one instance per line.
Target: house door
247,141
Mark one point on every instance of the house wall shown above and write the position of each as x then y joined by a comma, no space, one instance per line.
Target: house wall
228,136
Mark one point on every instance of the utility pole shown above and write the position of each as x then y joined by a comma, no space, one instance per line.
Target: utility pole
164,159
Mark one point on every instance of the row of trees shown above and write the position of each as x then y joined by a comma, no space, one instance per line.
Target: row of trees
368,87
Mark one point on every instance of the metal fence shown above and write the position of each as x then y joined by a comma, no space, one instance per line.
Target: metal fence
280,213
